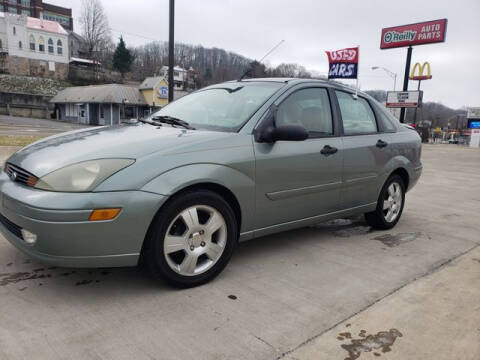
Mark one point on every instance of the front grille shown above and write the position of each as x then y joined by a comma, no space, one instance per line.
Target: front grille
19,175
13,228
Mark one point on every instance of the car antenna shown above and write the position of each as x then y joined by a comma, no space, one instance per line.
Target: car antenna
263,58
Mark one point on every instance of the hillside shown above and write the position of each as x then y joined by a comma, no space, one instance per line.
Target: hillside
29,85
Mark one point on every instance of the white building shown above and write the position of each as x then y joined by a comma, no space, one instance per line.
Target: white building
31,46
183,79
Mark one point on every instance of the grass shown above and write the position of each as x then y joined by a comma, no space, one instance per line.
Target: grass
18,140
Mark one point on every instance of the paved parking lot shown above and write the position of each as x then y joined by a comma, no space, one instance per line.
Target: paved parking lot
335,291
19,126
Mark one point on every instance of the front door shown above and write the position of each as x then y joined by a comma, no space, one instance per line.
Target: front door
300,179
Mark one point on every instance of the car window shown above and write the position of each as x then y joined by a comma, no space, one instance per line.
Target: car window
309,108
387,119
357,115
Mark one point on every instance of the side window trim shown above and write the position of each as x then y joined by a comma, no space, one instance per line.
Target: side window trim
375,116
335,130
378,115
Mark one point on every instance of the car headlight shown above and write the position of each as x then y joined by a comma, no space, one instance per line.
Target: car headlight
82,177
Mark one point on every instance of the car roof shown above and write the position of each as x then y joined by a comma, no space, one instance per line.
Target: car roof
294,81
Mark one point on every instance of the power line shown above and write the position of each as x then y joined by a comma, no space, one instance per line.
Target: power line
132,34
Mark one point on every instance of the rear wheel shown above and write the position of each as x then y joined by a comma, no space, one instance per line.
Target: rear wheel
389,206
191,239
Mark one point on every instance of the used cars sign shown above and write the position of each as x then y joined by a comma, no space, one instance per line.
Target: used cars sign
399,99
414,34
343,63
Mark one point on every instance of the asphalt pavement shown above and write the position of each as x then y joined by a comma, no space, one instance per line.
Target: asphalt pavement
334,291
19,126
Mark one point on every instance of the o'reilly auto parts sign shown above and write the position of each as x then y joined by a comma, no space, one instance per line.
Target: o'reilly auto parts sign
414,34
399,99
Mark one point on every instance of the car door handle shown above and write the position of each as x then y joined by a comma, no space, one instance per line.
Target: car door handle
381,144
328,150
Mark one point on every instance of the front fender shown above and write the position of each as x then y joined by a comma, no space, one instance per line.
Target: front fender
239,183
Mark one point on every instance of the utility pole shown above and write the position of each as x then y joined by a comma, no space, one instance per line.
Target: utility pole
171,48
405,80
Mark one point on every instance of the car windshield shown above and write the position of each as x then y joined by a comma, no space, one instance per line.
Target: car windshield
225,107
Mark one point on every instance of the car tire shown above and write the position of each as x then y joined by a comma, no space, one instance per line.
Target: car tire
389,205
191,239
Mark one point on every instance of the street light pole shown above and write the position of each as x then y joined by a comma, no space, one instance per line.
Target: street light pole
171,48
389,73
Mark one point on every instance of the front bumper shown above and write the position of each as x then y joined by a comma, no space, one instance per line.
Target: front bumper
65,237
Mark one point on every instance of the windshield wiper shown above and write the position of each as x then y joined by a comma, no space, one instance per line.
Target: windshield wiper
170,120
154,123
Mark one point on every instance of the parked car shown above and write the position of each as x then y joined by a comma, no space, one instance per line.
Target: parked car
228,163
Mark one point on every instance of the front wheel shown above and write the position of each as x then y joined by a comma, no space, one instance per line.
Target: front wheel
389,206
191,239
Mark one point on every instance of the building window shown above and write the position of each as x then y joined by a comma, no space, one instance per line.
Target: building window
71,110
26,12
12,2
12,10
32,43
41,44
50,46
59,47
64,20
20,45
26,3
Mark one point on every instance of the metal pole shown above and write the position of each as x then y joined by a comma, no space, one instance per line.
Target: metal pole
405,80
415,113
171,48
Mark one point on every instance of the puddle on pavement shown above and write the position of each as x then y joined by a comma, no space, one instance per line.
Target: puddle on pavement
9,278
345,227
382,340
395,240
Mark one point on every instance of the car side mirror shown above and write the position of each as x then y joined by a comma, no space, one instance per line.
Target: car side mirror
289,133
268,132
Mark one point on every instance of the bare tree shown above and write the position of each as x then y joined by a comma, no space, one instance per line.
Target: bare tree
96,30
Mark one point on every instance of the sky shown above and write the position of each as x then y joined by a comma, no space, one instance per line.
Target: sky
309,27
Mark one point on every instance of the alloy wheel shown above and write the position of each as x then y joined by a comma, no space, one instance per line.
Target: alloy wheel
392,202
195,240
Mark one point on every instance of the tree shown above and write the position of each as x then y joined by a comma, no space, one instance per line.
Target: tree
122,58
96,30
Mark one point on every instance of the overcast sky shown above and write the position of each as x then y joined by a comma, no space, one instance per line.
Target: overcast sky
252,27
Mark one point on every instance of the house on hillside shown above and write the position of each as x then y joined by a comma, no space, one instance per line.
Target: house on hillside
100,104
40,10
183,79
33,47
155,92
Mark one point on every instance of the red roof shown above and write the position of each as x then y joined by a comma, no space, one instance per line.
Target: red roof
45,25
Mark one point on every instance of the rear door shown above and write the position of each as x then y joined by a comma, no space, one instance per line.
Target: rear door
300,179
367,151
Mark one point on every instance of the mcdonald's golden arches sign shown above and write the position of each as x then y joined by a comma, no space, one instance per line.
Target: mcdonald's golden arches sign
421,71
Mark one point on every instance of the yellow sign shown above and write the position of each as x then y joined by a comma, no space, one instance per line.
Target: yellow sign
421,69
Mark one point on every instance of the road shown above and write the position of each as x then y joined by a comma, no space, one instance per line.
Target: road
10,125
409,293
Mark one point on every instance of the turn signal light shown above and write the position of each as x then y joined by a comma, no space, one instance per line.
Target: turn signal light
104,214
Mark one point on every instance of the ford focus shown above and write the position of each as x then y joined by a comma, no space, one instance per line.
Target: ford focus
228,163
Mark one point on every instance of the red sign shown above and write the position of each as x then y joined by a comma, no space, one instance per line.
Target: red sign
349,55
343,64
414,34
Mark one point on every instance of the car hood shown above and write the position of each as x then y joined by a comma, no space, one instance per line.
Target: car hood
129,141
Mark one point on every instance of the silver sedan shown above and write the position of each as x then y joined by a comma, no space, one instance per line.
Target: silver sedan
231,162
